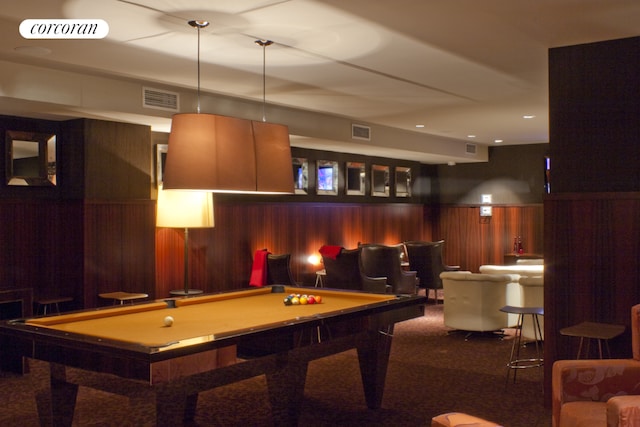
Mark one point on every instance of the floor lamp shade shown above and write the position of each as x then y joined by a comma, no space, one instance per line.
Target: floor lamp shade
226,154
184,209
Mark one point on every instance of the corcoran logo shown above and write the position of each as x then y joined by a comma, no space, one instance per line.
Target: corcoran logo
64,29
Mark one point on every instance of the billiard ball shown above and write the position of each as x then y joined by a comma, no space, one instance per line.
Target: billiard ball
168,321
318,299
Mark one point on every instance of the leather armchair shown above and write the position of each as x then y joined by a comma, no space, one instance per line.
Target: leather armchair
425,258
515,291
343,272
384,261
279,270
602,392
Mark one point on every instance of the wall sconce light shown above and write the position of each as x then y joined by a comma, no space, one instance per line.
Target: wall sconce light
486,211
314,259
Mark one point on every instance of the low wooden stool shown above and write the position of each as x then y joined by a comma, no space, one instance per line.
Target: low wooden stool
123,296
50,304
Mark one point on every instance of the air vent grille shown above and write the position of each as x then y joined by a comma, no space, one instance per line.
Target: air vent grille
471,149
160,99
361,132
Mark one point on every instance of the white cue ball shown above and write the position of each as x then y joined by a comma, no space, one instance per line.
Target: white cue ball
168,321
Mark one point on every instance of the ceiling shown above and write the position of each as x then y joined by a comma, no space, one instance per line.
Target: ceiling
466,70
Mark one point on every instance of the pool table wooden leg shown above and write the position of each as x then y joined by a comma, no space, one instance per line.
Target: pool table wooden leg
373,354
172,406
286,388
56,401
190,408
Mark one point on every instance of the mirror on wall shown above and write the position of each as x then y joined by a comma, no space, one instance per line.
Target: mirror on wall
355,178
300,175
327,177
30,158
403,182
161,160
380,181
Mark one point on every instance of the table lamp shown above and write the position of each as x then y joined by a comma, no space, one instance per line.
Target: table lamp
184,209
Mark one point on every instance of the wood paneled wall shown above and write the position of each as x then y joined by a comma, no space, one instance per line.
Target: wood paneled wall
592,230
76,249
119,247
592,268
221,257
472,241
41,247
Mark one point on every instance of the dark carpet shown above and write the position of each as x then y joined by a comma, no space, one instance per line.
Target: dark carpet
431,371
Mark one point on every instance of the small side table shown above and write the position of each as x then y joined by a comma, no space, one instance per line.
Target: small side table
593,330
123,296
515,362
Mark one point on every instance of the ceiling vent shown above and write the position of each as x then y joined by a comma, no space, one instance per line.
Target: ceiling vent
160,99
360,132
471,149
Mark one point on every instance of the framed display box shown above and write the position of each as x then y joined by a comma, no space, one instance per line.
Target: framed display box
380,181
300,175
403,181
355,178
327,177
161,158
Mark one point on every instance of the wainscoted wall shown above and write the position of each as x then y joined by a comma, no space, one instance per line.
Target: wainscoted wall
221,258
471,241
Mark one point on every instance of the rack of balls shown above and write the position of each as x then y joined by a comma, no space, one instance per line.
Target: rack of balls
297,299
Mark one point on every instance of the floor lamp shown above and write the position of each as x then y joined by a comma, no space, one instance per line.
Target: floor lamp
184,209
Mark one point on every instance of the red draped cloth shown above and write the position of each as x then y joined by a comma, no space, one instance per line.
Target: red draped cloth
330,251
259,268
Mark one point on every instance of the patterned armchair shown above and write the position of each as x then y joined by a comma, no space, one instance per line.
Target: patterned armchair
599,392
458,419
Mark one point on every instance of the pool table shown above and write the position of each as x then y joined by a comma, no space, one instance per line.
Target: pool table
129,350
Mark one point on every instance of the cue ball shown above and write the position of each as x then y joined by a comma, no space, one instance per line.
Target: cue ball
168,321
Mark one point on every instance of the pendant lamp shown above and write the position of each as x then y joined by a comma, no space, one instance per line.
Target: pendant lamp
217,153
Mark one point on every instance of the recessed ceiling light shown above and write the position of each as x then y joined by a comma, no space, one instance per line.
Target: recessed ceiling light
419,126
471,136
497,141
528,116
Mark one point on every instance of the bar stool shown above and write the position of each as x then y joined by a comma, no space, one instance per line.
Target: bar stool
515,361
